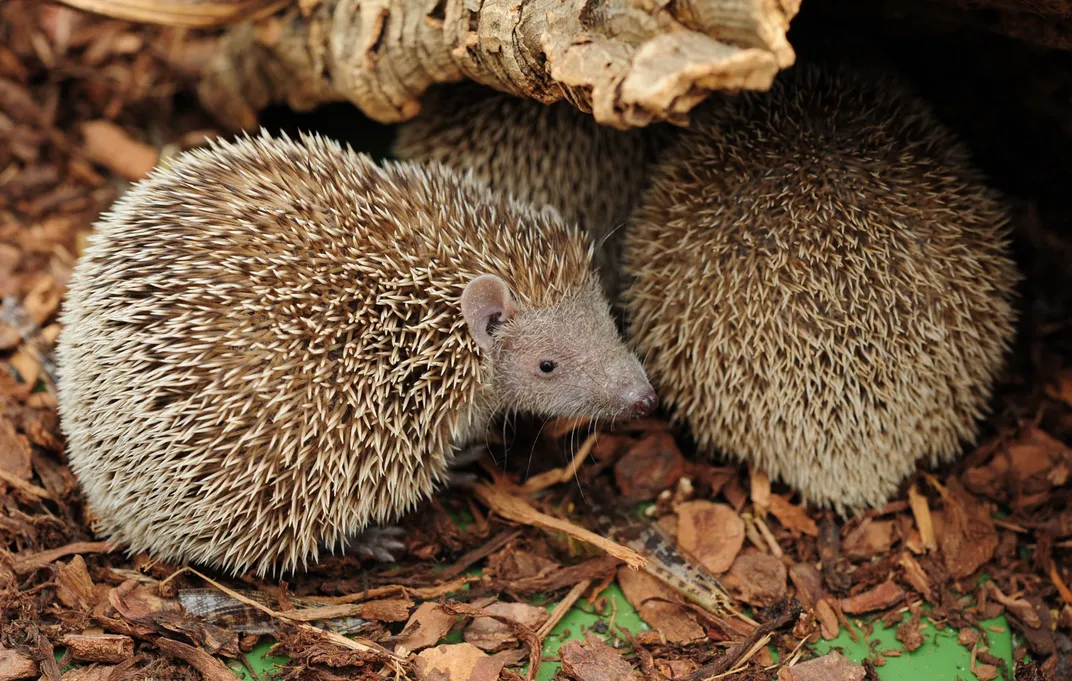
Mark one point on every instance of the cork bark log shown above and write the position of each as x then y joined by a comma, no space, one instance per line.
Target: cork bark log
629,62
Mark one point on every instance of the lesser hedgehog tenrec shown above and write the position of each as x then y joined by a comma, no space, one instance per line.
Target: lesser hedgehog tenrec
821,283
271,345
544,154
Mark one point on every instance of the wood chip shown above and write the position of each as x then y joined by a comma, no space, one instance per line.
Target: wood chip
15,454
828,619
885,595
210,668
111,648
74,587
921,510
14,665
868,539
109,145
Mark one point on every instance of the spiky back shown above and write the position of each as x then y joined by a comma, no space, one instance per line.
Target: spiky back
543,154
823,285
263,346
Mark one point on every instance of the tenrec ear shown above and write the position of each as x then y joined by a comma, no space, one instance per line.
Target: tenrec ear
486,303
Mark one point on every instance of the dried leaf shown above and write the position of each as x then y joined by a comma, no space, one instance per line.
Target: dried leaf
649,466
909,634
491,635
712,533
757,579
659,606
458,662
594,660
426,626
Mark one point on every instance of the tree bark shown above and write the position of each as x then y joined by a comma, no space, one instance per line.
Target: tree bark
628,62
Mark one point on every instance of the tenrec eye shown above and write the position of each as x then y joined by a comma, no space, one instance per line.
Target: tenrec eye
547,366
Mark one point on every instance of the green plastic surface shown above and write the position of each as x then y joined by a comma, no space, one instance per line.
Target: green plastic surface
940,658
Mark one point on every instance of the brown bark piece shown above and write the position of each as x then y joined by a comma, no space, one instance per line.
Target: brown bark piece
757,579
830,667
648,467
74,587
885,595
110,648
491,635
969,537
30,562
594,660
829,626
109,145
96,672
385,610
870,538
458,662
211,669
15,454
14,665
426,626
642,62
712,533
1026,465
792,517
808,582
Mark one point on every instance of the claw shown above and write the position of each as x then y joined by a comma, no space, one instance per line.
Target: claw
468,455
376,543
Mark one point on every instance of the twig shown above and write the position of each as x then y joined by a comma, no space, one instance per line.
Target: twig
519,510
361,645
479,554
27,564
768,536
743,650
559,475
562,608
23,486
1062,588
